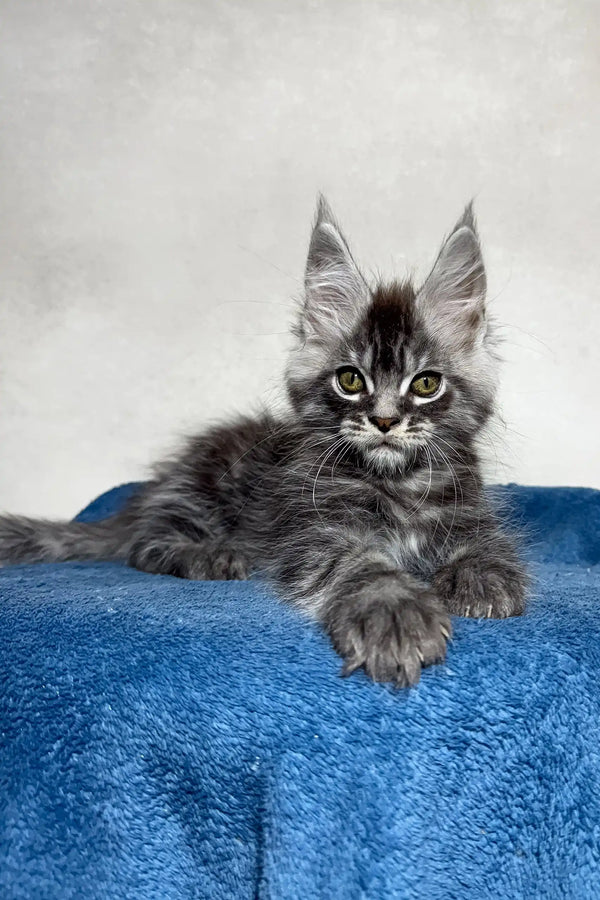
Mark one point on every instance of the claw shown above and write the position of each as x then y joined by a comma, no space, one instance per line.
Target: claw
349,668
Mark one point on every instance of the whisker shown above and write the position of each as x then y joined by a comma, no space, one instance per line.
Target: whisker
331,450
426,493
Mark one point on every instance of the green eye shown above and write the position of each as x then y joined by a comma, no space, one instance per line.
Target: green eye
350,380
426,384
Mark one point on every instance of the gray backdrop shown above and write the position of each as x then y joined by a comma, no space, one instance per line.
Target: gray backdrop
159,161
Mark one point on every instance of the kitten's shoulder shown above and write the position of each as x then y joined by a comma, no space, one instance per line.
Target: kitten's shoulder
238,433
236,445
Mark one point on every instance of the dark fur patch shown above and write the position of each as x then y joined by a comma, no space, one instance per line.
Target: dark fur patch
389,324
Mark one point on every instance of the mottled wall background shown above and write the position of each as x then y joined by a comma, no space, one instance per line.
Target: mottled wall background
159,161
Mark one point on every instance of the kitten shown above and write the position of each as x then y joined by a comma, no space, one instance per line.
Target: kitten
363,504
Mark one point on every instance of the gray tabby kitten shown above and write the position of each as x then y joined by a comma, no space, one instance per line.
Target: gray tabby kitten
362,505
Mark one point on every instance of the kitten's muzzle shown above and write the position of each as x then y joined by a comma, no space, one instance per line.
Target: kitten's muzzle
383,425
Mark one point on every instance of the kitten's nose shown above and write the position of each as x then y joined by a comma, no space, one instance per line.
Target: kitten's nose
383,424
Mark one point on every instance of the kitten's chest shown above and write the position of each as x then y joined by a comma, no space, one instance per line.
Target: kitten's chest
412,521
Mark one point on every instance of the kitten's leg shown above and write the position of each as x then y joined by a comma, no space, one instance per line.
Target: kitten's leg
177,531
483,578
209,559
378,617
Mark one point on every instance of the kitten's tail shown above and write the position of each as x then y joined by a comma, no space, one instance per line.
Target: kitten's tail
24,540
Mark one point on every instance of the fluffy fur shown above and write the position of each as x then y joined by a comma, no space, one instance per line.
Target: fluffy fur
365,510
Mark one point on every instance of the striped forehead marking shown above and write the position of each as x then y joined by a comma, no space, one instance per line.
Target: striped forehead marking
389,325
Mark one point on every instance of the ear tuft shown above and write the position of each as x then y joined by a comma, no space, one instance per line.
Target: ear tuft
467,220
324,212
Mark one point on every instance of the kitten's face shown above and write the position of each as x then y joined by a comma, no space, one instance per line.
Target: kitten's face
396,375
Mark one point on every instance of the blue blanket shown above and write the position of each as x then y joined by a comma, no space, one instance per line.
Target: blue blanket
170,739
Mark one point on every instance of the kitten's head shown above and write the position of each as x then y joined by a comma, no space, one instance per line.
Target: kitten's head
398,373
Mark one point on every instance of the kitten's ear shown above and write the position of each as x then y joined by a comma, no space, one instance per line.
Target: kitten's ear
453,296
335,290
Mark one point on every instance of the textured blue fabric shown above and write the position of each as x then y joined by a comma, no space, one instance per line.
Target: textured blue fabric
170,739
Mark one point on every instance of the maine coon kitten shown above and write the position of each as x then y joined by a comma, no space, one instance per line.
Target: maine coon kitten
363,505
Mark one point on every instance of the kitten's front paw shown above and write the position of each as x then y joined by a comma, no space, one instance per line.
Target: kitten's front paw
481,589
391,628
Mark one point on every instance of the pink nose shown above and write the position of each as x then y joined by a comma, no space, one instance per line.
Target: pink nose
383,424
